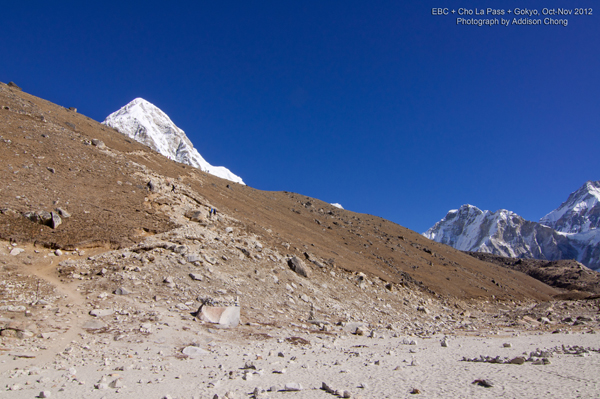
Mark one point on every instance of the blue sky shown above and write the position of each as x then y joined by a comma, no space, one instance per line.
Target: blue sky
379,106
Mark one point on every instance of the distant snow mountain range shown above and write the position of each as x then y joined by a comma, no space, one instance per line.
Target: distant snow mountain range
568,232
147,124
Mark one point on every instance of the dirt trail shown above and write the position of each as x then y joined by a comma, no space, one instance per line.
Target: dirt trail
39,268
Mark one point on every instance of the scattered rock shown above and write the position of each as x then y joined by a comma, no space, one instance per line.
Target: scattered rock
16,251
517,360
225,316
194,351
195,216
292,386
101,312
98,143
327,388
483,383
361,330
122,291
63,213
94,325
193,258
543,361
115,384
298,266
352,327
210,259
13,308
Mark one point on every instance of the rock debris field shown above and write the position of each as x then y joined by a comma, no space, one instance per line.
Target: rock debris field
95,324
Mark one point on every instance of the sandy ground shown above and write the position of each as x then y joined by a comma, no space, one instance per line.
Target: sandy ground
380,367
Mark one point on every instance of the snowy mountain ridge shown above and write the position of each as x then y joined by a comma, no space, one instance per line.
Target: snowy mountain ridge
569,232
579,213
147,124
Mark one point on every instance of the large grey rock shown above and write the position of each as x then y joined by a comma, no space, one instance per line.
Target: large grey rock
122,291
194,351
293,386
16,251
44,217
55,220
152,186
98,143
327,388
352,327
299,267
195,216
225,316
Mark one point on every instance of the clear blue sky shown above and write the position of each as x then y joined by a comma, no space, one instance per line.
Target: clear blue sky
377,105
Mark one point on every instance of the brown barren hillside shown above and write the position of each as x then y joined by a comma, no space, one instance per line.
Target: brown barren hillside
49,161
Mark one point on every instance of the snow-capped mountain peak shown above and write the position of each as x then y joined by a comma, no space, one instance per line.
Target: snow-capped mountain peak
471,229
579,213
569,232
147,124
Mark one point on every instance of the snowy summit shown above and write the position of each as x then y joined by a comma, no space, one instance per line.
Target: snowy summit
147,124
569,232
579,213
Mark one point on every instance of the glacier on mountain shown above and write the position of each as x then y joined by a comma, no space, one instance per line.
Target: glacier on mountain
569,232
147,124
